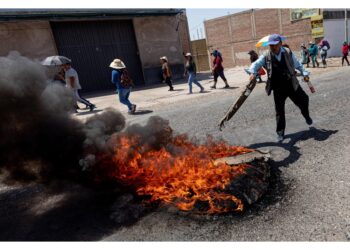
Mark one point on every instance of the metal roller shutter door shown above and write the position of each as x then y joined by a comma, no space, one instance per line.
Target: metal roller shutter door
92,45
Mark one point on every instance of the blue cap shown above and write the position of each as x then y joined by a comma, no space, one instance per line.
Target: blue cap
275,39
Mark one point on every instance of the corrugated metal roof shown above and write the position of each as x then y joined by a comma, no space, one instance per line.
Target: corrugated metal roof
60,14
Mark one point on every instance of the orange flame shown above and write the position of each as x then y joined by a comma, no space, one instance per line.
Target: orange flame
179,173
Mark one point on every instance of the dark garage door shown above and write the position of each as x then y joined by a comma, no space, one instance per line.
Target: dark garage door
92,46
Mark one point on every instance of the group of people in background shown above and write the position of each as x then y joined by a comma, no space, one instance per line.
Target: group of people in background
312,52
322,48
124,83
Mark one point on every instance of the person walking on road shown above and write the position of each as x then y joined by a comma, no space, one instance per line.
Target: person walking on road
281,64
313,51
324,47
345,51
218,69
191,69
123,83
72,82
166,72
253,57
305,56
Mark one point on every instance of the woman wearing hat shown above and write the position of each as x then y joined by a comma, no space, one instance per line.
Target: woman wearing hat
123,83
166,72
191,69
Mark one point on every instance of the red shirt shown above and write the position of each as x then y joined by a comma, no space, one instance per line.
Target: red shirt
217,63
345,49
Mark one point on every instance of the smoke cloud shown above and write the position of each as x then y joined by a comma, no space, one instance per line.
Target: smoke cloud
40,140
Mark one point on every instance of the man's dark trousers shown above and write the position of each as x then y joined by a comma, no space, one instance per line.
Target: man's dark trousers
299,98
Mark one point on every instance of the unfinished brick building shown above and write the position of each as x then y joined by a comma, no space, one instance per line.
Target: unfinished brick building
234,35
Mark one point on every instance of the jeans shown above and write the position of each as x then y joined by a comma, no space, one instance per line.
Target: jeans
323,57
80,99
124,97
314,60
192,78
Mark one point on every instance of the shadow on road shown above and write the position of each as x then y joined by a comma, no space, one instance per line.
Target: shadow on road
279,187
290,146
88,112
142,112
176,90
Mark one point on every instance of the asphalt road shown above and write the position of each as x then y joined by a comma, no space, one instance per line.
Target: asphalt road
309,198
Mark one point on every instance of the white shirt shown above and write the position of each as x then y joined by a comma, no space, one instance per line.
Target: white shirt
72,73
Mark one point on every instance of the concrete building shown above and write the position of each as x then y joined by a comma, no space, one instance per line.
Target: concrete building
334,29
93,38
234,35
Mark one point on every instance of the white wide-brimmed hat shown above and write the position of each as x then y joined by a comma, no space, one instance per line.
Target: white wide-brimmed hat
117,64
188,54
164,58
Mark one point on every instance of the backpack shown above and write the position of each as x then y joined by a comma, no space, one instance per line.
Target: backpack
125,79
326,43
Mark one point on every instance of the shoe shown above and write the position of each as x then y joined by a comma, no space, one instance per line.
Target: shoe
308,121
171,89
92,107
280,136
202,90
190,93
213,87
226,86
133,109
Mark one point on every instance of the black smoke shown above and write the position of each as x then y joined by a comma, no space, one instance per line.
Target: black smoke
40,139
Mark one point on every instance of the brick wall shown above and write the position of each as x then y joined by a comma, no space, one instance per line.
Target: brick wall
184,33
234,35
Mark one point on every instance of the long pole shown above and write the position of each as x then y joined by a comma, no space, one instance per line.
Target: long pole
346,25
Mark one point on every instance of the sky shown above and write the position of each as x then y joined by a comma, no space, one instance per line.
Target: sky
196,19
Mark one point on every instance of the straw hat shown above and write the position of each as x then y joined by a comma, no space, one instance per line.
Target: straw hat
117,64
188,54
164,58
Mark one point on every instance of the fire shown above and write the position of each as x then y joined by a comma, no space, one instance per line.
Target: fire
180,172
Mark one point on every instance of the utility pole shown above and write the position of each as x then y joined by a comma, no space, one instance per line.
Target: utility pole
346,25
